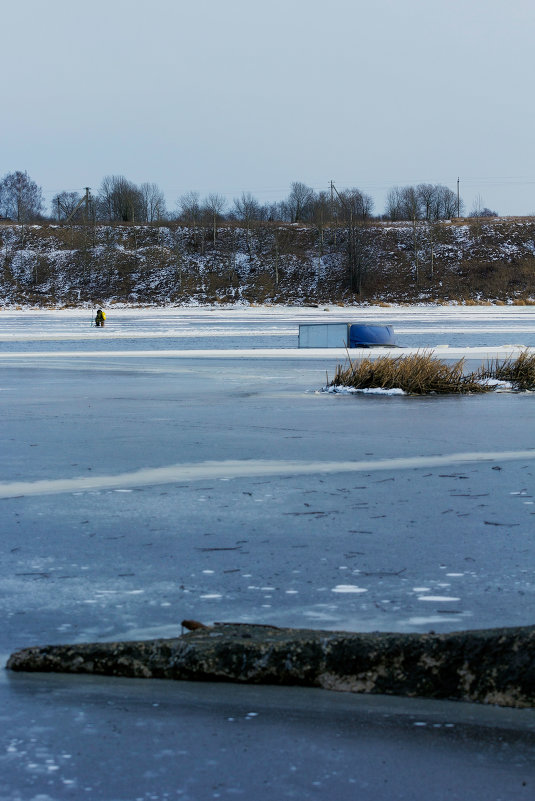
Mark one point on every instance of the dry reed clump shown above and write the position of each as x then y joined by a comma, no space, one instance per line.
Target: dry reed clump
520,372
417,374
423,374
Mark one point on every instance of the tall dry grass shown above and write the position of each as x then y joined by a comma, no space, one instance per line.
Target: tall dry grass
520,371
423,374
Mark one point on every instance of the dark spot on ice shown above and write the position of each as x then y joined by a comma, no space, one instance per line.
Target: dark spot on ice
230,548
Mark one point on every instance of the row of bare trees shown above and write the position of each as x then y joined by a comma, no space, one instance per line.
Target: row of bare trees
422,202
120,200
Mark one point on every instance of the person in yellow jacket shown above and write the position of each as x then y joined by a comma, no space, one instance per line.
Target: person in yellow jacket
100,318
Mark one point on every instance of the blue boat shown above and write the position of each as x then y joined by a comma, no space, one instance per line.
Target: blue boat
370,336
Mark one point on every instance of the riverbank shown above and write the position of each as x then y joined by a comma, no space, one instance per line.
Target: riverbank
459,261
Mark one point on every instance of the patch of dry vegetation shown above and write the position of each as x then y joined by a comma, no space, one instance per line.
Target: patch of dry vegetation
520,371
423,374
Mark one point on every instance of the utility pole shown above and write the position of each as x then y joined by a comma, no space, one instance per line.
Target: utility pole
332,211
458,200
84,199
87,188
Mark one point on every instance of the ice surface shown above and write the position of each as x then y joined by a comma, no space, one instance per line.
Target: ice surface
186,465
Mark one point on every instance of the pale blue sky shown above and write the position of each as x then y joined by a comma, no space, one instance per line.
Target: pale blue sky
249,96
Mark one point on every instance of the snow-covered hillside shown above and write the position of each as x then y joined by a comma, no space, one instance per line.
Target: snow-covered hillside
44,265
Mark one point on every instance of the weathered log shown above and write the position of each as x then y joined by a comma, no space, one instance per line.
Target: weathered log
494,666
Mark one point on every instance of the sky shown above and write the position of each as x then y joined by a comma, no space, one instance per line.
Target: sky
249,96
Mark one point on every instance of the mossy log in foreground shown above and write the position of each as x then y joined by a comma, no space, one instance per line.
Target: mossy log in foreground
494,666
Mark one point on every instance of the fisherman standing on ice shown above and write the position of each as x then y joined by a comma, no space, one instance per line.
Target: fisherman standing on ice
99,319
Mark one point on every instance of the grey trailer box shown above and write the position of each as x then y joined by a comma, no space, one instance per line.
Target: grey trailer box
324,335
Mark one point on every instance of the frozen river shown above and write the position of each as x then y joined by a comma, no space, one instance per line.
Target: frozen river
183,464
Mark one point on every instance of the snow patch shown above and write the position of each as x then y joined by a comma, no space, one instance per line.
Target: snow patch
341,390
348,588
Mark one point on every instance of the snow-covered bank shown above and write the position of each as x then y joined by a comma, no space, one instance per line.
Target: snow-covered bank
467,260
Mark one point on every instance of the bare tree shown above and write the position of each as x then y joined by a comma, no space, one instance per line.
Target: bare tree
152,202
105,201
360,204
357,255
190,210
120,199
426,194
248,209
190,213
20,197
394,204
273,211
214,206
446,204
299,201
64,204
411,203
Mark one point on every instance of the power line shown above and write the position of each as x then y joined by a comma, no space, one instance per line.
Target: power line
383,184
